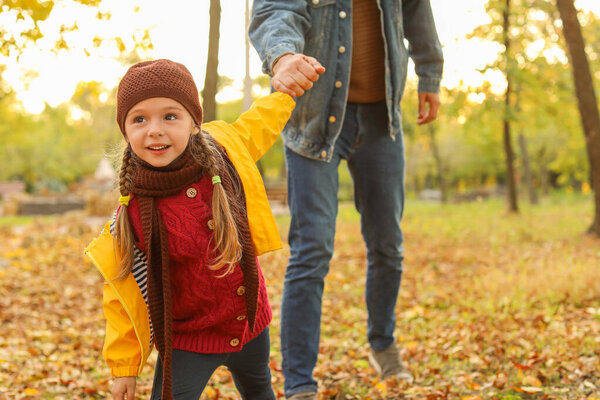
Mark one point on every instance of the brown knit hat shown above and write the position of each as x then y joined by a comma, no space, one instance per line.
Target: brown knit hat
159,78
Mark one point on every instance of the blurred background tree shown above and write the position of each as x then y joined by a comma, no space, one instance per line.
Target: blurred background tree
461,156
543,111
64,143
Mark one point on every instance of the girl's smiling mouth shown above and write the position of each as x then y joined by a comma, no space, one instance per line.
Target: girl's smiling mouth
158,147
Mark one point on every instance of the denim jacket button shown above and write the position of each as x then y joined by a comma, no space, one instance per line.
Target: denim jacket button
342,14
332,119
323,154
338,84
342,49
315,2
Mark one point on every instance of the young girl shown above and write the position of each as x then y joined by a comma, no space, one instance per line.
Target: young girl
179,257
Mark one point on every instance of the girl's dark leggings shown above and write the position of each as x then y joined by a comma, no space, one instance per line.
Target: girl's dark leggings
249,368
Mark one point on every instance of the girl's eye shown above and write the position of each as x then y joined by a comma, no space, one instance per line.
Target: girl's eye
138,120
170,117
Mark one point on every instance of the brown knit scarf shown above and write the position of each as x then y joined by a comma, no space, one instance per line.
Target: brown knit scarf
151,183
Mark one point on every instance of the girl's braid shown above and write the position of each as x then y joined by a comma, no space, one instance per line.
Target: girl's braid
208,153
124,233
126,173
213,161
205,153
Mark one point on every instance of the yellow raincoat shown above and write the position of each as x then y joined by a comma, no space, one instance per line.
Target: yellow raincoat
127,342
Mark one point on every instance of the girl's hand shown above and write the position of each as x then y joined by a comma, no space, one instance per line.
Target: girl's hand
123,388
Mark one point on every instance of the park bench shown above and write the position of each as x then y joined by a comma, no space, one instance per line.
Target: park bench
472,195
12,187
44,205
277,193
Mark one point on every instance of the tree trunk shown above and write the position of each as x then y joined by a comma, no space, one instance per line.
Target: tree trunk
510,156
247,99
209,93
438,164
527,173
247,96
533,197
543,170
417,184
586,98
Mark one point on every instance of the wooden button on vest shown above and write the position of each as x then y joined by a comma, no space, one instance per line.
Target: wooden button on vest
240,317
234,342
211,224
241,291
191,193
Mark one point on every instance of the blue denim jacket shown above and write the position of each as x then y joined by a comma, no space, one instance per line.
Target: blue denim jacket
323,29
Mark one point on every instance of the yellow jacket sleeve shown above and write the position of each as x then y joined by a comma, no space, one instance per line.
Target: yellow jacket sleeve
259,127
121,346
127,338
246,141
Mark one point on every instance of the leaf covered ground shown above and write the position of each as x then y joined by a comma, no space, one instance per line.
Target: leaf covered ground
492,306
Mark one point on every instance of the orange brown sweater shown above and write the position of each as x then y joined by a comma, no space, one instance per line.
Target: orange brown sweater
367,74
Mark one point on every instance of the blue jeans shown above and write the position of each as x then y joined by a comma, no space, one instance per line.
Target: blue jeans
376,163
249,368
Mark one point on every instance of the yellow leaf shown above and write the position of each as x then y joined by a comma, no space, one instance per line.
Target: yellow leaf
531,381
382,387
15,253
412,347
471,397
531,389
473,385
586,188
31,391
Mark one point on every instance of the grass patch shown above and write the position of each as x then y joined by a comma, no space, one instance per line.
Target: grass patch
19,220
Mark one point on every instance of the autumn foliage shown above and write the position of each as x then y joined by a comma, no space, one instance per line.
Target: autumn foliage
492,306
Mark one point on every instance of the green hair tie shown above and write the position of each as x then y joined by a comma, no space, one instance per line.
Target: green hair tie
216,179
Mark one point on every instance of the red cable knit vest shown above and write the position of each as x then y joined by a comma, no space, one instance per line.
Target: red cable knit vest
209,313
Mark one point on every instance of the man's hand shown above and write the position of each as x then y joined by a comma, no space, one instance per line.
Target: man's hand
295,73
123,388
426,115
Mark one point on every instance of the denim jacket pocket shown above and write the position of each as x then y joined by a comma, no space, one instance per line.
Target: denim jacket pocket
322,14
319,3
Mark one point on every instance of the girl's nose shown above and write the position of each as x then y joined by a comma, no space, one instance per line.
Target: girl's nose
155,128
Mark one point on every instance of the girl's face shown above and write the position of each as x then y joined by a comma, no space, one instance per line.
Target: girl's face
158,130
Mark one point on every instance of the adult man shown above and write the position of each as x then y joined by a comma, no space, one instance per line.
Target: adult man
352,112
